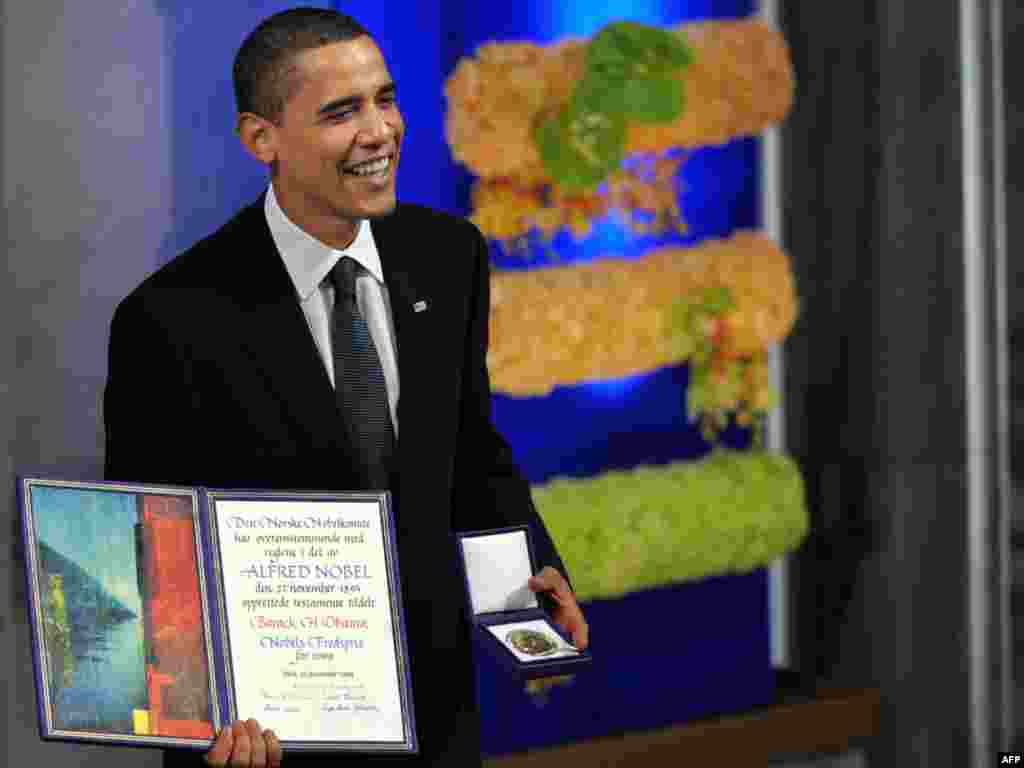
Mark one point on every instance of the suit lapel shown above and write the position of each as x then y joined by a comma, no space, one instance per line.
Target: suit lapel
416,296
405,291
275,336
420,295
277,339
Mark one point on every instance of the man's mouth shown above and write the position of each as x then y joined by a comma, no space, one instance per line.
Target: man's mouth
377,167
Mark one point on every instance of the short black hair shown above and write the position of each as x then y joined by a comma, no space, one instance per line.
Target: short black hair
264,65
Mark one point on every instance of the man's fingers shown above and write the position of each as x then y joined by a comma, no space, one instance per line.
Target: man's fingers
548,580
244,745
581,634
567,615
571,622
221,749
274,752
258,756
241,753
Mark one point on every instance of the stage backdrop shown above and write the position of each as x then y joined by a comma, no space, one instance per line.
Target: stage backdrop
581,430
709,652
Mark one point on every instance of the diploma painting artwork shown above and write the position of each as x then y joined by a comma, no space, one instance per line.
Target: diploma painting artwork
125,651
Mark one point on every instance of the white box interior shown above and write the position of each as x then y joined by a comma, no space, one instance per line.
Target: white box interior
497,569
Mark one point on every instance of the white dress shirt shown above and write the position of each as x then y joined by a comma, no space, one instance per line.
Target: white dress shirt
309,261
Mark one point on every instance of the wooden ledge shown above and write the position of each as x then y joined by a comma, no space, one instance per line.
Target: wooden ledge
833,720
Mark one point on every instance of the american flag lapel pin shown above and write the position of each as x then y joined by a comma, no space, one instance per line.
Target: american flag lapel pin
419,306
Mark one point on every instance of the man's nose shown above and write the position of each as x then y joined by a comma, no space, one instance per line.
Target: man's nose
377,127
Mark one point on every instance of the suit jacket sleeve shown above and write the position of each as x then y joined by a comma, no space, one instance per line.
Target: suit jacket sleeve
490,491
144,407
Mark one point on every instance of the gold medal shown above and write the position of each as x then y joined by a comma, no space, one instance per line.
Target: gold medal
531,642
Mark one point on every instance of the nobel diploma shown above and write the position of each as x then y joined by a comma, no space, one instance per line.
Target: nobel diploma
312,642
160,614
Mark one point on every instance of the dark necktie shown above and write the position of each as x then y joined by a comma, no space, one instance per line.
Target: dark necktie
359,381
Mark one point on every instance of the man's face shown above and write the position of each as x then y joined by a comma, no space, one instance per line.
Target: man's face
337,142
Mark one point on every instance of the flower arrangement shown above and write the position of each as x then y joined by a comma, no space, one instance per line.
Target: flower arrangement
719,306
641,194
564,134
560,135
629,530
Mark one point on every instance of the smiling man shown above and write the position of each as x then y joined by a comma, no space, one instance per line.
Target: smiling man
328,337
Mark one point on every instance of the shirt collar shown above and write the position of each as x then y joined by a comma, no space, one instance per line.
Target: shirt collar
307,259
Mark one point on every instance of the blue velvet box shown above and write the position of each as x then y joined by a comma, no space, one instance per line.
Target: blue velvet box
513,626
666,656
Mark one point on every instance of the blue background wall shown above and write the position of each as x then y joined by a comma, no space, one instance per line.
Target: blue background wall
117,151
710,651
584,429
93,187
579,430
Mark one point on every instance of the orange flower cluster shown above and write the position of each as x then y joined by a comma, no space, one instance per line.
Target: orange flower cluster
495,98
643,195
741,82
759,279
615,317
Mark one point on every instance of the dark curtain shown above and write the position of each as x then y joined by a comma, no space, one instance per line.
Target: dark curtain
875,405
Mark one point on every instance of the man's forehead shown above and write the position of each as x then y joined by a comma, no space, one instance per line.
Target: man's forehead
350,70
359,61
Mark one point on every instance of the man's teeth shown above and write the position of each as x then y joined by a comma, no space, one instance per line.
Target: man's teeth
372,167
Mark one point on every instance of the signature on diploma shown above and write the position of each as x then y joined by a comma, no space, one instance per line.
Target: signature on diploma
307,693
292,695
326,707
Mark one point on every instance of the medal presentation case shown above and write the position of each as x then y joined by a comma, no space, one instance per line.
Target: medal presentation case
496,565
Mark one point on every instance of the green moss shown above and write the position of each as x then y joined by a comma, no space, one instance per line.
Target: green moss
628,530
629,76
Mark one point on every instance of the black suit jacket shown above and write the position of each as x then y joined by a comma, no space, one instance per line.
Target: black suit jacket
214,379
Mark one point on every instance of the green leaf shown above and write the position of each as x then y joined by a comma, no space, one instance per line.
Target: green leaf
579,147
718,301
683,346
698,383
607,66
653,99
680,317
600,93
702,352
627,50
730,388
673,47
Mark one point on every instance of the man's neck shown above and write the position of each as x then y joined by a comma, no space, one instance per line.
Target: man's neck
333,231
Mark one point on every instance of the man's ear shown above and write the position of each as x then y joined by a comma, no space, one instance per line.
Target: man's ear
259,137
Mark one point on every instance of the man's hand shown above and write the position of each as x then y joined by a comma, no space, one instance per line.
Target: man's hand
566,613
244,745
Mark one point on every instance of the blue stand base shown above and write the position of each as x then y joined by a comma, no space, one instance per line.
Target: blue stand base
662,656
